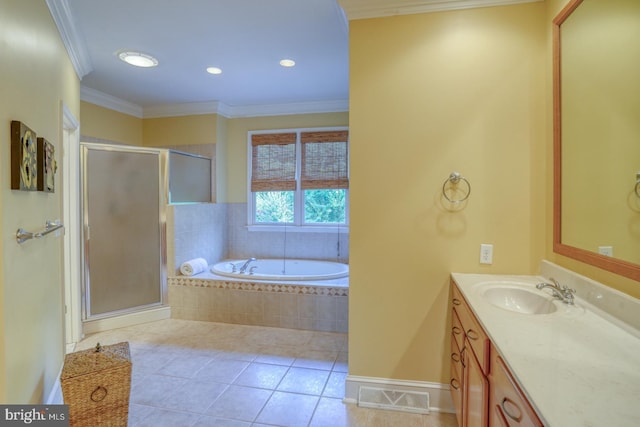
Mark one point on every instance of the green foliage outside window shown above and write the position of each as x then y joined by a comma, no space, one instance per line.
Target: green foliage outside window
320,207
324,206
274,206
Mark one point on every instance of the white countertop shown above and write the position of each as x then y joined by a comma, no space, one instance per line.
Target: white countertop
577,366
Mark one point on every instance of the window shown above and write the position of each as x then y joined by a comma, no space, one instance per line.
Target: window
299,177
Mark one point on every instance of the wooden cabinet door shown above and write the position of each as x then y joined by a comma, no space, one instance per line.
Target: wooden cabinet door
476,392
509,407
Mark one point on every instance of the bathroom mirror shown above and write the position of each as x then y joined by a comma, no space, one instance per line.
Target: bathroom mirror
597,134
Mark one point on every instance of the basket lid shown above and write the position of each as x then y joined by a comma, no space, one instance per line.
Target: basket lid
95,359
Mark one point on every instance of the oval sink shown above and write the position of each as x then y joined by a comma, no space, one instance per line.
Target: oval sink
519,300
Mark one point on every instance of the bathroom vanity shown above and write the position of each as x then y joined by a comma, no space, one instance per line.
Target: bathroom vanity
520,357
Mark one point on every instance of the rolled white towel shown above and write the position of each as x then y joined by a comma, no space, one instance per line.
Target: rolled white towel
194,266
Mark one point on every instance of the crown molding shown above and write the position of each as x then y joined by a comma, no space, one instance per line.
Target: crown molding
334,106
75,45
185,109
363,9
96,97
102,99
232,112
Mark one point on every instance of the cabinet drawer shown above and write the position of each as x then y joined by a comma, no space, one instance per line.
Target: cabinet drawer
476,336
509,407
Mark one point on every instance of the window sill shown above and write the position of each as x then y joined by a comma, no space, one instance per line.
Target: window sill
341,229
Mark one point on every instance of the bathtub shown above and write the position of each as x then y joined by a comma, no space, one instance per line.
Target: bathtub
312,295
282,269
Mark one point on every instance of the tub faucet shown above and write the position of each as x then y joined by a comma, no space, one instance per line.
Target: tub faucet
246,264
563,293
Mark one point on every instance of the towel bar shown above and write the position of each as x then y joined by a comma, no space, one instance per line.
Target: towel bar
23,235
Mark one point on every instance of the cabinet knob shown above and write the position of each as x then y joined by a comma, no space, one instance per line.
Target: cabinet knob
455,357
456,301
473,335
456,330
454,383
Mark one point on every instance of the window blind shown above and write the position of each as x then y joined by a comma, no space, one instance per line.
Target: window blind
273,162
325,160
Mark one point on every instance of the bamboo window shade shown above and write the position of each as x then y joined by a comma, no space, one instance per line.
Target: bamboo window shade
325,160
273,162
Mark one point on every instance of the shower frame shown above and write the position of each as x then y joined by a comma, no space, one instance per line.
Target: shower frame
163,197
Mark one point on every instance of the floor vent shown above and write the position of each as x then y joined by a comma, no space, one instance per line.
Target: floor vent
398,400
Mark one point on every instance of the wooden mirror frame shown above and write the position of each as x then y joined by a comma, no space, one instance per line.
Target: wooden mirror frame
617,266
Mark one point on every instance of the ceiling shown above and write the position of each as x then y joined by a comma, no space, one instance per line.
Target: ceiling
245,38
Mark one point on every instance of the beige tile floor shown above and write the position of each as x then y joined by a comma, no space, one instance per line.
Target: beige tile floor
189,373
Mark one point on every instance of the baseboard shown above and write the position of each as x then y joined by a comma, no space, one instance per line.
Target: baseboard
106,324
55,394
439,394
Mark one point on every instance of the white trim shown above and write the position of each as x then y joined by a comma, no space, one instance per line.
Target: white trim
338,228
55,394
71,219
332,106
233,112
102,99
111,102
364,9
186,109
121,321
73,42
439,394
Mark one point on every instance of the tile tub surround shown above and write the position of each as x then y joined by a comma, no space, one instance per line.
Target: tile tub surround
204,374
318,306
577,366
195,230
331,245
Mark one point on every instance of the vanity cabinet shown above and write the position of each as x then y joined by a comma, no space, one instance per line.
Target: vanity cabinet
482,388
469,377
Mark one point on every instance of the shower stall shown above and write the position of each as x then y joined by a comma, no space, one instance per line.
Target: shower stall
124,199
125,195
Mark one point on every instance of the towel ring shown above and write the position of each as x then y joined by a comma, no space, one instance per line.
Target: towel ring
455,178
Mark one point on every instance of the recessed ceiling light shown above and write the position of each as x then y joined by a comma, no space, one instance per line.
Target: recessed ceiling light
214,70
287,62
138,59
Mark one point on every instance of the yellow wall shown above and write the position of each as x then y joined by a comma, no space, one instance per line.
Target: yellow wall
36,76
109,125
623,284
237,143
182,130
431,94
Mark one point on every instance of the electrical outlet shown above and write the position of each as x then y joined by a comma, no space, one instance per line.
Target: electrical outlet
486,253
605,250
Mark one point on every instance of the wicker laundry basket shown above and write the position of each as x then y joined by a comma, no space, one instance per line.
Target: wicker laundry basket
96,384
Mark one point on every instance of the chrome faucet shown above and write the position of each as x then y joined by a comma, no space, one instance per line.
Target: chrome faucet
563,293
246,264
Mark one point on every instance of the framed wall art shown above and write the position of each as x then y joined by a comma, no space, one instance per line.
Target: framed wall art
47,166
24,157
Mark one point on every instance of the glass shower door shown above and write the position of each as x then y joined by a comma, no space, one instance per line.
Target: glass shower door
124,229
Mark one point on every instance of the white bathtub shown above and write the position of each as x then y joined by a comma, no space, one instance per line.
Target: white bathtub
279,269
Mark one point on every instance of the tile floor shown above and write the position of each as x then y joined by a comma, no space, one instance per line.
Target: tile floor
196,374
